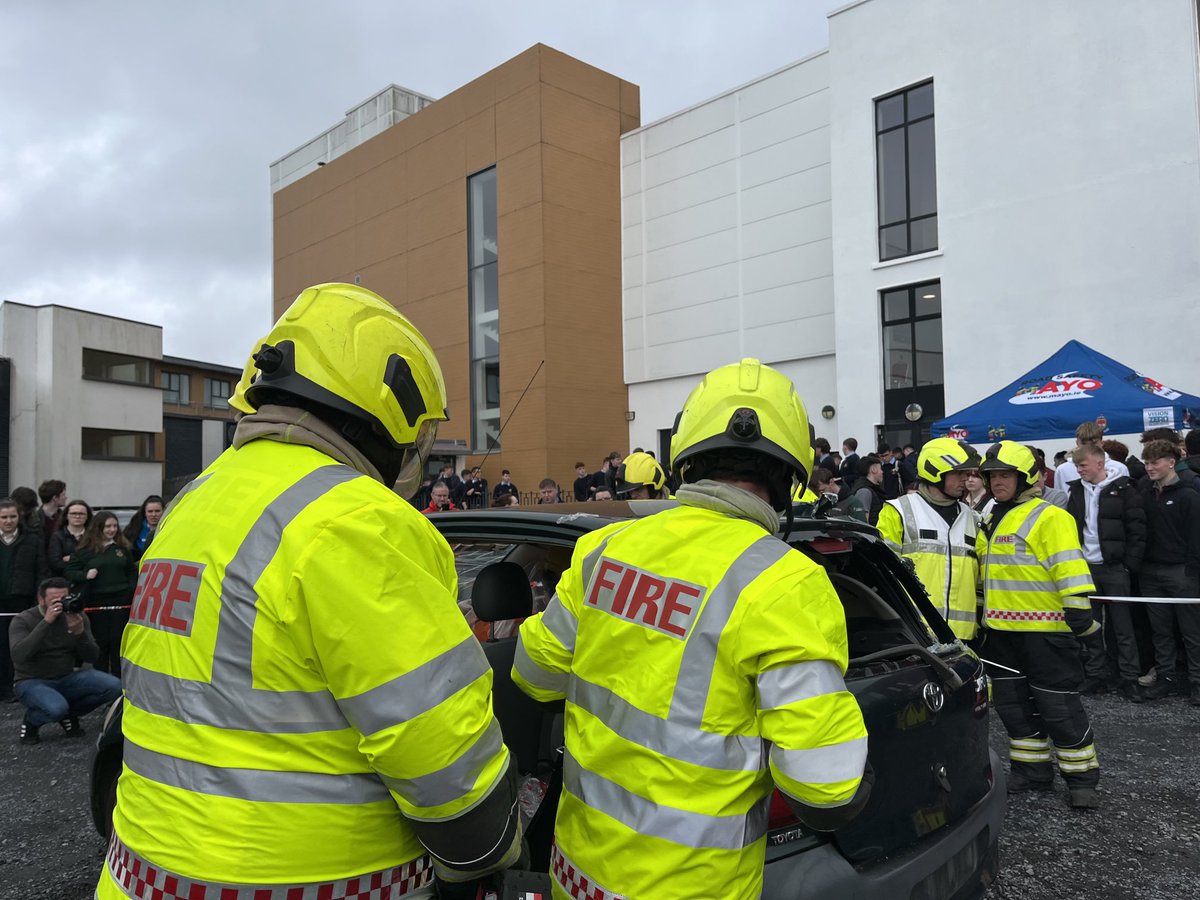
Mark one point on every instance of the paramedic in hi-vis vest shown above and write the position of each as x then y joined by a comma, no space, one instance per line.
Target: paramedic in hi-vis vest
936,530
702,662
306,712
1037,586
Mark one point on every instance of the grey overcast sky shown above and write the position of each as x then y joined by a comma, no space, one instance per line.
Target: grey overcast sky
137,134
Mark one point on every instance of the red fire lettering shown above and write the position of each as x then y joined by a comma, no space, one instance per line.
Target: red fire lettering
154,579
646,596
672,605
174,595
622,595
606,566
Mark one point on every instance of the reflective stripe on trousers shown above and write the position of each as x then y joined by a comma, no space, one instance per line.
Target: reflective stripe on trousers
142,880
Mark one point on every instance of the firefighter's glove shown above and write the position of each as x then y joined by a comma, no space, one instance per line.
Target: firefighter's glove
1081,623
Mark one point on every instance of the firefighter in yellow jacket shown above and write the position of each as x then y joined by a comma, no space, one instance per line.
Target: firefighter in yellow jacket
702,661
306,711
1036,609
936,530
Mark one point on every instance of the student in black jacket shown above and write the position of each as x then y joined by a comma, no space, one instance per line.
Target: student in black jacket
22,567
1112,532
1171,567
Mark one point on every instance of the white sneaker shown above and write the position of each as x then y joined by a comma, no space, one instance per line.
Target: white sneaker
1149,678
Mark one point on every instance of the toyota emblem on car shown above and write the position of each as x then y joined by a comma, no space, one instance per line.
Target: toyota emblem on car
934,698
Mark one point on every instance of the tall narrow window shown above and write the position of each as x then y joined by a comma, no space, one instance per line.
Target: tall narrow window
912,361
906,172
484,310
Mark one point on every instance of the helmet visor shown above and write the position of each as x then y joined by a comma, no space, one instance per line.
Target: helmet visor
413,467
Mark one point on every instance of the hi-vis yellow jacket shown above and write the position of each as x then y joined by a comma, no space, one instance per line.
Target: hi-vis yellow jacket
1033,569
299,683
944,557
702,661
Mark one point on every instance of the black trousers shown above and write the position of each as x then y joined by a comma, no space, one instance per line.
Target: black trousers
1035,688
107,628
1117,621
1159,580
6,666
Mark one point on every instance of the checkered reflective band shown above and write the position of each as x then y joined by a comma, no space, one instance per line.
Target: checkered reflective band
1026,615
143,880
574,882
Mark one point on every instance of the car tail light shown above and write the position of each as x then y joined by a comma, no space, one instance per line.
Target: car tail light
780,814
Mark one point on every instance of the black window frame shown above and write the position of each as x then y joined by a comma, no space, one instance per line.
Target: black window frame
484,371
88,435
905,124
165,380
911,318
209,396
119,359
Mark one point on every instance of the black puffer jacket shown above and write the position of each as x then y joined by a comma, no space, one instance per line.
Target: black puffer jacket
23,566
1121,520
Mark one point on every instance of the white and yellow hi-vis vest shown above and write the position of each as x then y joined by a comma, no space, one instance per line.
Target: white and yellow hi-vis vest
702,662
944,556
1033,569
299,684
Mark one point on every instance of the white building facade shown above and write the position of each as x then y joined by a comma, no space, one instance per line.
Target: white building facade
84,406
923,212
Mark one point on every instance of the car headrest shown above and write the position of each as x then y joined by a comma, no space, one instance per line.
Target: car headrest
501,591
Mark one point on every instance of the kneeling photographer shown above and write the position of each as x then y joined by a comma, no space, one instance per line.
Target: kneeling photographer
48,642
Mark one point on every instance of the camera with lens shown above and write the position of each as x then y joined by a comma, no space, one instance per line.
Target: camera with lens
73,602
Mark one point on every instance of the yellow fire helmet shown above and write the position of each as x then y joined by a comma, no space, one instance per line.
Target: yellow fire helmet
640,470
249,370
344,348
1009,456
943,455
739,407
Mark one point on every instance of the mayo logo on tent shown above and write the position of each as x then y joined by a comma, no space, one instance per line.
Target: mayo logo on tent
1068,386
958,432
1158,389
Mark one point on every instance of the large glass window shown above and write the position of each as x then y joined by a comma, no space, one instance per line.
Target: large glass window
105,443
104,365
484,309
177,387
906,172
912,336
216,393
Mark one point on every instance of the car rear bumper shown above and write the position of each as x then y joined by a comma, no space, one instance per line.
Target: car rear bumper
957,863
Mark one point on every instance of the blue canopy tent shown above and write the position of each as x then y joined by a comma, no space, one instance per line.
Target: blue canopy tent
1075,385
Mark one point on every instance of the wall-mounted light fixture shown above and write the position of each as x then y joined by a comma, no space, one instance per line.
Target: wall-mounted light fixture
827,411
913,412
630,414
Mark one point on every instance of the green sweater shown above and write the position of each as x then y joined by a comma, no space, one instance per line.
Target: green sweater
116,572
42,649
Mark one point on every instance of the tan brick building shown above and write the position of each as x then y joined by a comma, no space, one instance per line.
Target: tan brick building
491,217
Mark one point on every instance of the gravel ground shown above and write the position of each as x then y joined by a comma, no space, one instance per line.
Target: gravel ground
1144,843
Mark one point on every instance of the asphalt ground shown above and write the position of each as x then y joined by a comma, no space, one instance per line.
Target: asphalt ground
1143,844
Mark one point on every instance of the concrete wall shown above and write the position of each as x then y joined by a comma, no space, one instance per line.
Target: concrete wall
52,403
1068,186
392,212
727,241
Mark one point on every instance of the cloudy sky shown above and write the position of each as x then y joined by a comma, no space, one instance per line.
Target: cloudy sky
137,134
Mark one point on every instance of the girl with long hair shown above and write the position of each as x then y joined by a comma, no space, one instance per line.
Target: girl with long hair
103,567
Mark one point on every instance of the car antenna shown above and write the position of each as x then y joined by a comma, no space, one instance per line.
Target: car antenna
494,443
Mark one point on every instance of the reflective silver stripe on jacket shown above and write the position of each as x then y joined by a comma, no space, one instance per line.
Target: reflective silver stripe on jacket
413,693
800,681
142,879
665,737
679,826
230,700
823,765
535,675
700,653
454,781
257,785
561,623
